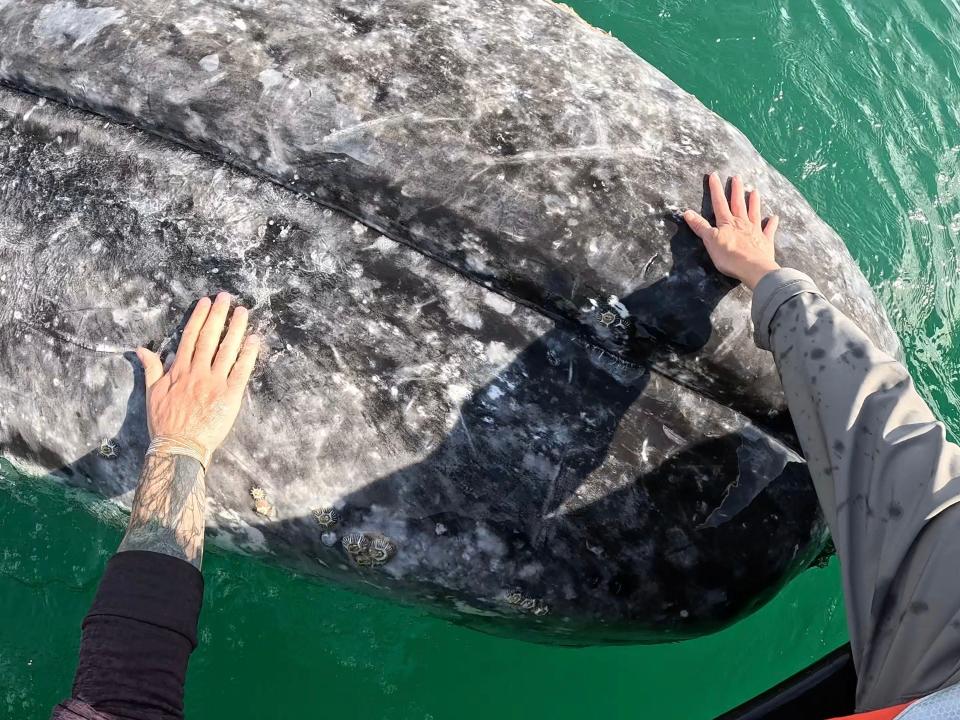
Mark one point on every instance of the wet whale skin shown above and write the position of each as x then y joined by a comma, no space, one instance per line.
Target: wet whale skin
489,339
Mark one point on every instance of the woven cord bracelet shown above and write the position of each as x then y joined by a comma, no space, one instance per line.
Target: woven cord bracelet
176,445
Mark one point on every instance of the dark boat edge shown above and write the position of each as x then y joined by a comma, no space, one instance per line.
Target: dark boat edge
825,689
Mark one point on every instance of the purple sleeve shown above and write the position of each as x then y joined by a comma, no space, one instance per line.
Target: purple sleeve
137,639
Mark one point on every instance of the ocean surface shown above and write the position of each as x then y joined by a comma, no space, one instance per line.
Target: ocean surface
858,103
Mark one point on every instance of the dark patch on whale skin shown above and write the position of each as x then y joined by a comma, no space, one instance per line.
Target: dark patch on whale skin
361,25
543,489
422,166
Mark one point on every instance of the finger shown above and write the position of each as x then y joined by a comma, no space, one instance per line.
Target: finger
753,208
738,205
699,224
152,367
770,228
189,338
212,330
227,354
243,368
718,199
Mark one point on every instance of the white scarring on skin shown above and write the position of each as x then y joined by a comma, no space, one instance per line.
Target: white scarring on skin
61,21
270,78
210,63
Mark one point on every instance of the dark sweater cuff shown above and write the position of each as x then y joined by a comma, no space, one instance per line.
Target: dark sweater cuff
773,290
137,638
153,588
77,710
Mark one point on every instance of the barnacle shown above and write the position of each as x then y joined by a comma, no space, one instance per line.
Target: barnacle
382,550
260,503
355,543
327,517
527,604
369,550
107,449
607,318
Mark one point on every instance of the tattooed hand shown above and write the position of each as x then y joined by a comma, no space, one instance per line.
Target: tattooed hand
197,399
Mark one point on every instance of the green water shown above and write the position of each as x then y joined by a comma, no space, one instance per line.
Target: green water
857,103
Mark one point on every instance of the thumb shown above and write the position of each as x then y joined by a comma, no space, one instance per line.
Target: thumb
152,367
700,226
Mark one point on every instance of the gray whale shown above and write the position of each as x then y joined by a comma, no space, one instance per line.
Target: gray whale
493,349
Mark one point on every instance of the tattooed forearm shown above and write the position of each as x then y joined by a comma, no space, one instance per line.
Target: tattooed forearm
168,509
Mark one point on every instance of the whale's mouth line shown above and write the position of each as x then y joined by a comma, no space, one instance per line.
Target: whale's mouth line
118,115
100,349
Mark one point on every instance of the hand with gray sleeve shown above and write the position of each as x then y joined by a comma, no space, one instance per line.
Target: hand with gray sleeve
887,478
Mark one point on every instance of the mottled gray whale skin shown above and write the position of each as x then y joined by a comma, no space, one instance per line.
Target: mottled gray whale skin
490,344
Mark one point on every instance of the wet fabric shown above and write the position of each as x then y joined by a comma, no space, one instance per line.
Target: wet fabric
891,713
889,484
137,639
943,705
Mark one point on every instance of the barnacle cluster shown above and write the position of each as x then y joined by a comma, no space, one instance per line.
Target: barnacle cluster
527,604
369,550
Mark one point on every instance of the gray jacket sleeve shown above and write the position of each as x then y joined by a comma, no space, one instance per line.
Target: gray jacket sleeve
889,485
